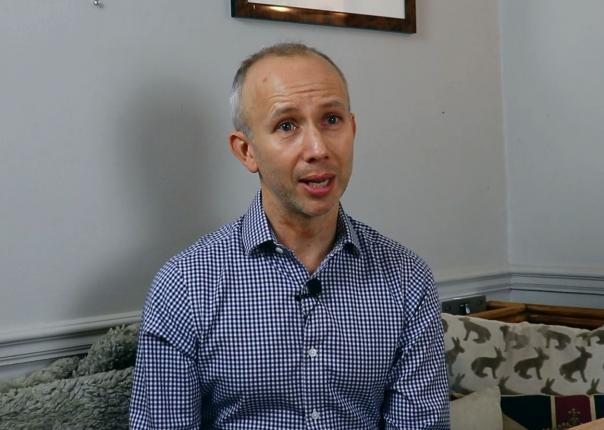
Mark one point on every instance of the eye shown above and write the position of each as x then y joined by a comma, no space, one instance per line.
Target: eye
286,126
332,119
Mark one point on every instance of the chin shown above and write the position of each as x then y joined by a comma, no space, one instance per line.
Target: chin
317,210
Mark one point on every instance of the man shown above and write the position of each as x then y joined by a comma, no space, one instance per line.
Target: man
294,316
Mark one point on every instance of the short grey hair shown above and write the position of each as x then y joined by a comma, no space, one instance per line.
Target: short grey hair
279,50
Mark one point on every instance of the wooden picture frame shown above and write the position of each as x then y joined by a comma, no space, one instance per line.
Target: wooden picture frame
283,11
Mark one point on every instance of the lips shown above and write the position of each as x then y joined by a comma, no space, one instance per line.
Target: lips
318,185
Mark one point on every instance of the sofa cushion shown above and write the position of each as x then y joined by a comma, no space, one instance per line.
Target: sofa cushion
552,412
115,350
477,411
74,393
98,401
522,358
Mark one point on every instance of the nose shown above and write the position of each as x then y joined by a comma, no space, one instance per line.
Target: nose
315,147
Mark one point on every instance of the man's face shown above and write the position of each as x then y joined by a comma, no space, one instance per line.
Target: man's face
302,134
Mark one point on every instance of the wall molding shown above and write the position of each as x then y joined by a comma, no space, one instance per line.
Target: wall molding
569,281
47,341
497,283
24,347
573,287
525,278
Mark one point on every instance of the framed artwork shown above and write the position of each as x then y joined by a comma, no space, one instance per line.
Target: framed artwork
387,15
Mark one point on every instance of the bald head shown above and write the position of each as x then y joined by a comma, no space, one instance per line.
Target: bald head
238,113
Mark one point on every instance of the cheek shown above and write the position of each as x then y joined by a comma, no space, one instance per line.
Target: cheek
276,165
347,153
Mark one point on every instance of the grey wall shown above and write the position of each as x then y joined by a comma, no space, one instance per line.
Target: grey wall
554,108
113,142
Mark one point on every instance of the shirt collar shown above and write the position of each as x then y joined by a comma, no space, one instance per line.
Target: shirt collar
256,230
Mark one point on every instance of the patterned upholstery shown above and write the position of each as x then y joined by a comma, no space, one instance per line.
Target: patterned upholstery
551,412
523,358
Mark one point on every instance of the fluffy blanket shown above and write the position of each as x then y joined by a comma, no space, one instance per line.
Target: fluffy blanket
75,393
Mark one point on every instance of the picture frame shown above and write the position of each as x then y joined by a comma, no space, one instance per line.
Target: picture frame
385,15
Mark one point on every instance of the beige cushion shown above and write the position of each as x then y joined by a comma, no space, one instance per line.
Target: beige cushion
477,411
523,358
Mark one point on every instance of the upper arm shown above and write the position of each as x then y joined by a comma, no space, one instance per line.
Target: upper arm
417,394
166,392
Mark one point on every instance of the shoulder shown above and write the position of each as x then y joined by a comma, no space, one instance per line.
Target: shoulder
185,281
406,274
213,243
207,254
387,250
198,261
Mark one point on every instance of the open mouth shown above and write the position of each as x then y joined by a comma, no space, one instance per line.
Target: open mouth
318,184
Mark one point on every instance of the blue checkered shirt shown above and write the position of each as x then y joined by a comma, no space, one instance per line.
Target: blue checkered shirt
225,344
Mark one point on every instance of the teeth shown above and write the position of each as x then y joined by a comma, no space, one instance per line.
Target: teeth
318,184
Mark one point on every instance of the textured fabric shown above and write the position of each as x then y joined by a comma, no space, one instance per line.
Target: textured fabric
478,411
57,398
113,351
225,344
538,412
98,401
62,368
523,358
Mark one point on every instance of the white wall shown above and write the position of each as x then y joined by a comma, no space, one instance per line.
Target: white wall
553,69
113,142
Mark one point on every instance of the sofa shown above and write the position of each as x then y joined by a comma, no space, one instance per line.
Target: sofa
75,393
537,376
502,375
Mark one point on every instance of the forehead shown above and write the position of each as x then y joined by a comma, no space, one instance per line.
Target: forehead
275,76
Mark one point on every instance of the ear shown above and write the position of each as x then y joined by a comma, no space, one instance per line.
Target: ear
354,124
241,147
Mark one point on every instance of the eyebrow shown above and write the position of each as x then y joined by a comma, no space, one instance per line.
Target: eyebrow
334,104
285,110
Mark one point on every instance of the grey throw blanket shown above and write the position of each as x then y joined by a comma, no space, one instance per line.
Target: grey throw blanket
73,393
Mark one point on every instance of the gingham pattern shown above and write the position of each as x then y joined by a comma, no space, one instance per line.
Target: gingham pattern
225,345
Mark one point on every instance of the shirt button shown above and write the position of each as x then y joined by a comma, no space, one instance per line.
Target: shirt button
312,352
279,250
315,414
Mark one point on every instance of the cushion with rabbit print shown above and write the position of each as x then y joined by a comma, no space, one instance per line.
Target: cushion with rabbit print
523,358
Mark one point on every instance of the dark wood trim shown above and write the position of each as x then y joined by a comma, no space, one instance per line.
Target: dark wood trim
500,312
572,316
247,9
588,323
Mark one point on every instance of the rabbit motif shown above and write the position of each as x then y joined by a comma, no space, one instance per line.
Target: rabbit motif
452,354
456,386
519,340
445,325
523,366
481,363
561,338
503,388
599,334
482,333
588,336
594,387
577,365
585,337
547,388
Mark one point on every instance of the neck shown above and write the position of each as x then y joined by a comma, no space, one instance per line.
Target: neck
310,238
